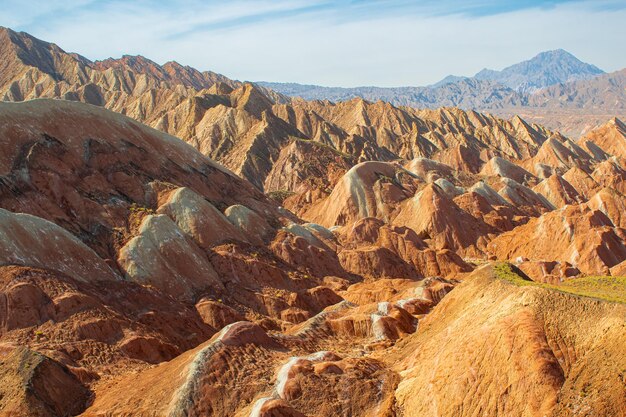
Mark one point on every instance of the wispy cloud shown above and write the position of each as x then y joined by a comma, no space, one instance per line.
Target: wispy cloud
344,42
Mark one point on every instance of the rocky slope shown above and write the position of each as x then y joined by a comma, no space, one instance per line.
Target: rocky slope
546,69
124,247
553,89
522,339
332,249
457,178
246,127
540,362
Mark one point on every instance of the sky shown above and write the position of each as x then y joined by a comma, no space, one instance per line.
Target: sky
333,43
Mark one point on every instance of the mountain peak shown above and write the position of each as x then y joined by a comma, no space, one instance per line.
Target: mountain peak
556,52
450,79
135,62
20,50
175,64
5,31
560,55
618,123
544,69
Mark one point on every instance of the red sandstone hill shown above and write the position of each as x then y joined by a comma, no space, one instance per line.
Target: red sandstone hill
283,255
122,240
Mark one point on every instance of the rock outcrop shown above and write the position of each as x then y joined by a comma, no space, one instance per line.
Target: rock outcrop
543,360
31,241
584,237
199,219
35,385
330,259
161,256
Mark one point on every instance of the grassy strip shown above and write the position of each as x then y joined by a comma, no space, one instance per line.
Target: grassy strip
280,195
611,289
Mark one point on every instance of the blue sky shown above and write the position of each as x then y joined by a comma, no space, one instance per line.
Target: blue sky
337,43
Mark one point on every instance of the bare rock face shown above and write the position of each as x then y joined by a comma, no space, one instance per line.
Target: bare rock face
91,169
305,173
522,196
370,189
217,314
312,255
612,203
431,170
147,279
489,194
582,182
619,270
560,154
44,310
274,142
584,237
532,334
248,222
243,371
552,272
197,382
161,256
434,216
276,408
374,249
558,191
498,166
30,241
609,138
199,219
610,173
35,385
301,381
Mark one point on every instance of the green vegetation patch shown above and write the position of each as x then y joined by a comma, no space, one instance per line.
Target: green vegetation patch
607,288
383,178
508,272
280,196
611,289
135,208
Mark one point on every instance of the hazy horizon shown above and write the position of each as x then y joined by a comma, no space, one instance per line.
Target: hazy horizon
388,43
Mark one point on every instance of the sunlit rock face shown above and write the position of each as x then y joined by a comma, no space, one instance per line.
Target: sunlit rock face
256,255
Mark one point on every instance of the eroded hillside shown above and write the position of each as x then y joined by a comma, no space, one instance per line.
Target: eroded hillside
253,255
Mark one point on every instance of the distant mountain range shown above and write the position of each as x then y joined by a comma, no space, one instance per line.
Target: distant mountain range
544,88
487,89
466,92
546,69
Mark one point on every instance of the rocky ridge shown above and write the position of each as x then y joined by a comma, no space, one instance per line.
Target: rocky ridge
553,89
344,247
